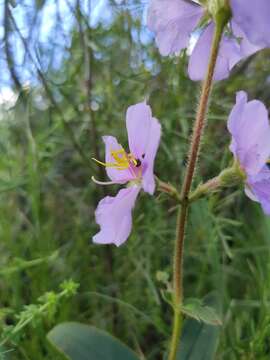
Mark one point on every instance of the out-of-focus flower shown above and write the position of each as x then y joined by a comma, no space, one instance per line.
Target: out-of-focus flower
173,22
253,19
250,129
114,214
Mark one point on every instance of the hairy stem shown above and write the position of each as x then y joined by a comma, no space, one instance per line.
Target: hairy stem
183,211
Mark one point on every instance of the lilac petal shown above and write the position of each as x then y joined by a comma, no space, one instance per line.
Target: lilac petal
148,180
246,47
229,55
116,175
138,122
253,19
143,136
249,125
236,115
258,189
114,216
172,21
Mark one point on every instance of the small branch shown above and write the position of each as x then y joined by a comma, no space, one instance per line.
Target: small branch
168,189
49,93
88,77
8,52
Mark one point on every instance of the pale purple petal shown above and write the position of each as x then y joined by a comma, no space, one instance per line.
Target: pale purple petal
172,21
148,181
114,216
138,122
116,175
259,188
249,125
235,122
253,18
229,55
143,136
246,47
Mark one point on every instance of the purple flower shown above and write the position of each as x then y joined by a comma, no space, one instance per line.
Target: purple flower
173,22
253,19
114,214
249,125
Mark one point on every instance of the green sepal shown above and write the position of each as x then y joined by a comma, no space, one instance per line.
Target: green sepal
220,11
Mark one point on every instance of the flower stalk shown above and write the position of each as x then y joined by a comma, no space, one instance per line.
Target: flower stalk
183,211
168,189
210,187
227,178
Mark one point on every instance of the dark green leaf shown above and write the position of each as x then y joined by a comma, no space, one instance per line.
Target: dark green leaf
82,342
199,340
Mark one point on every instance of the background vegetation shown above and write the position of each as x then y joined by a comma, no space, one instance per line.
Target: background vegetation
73,68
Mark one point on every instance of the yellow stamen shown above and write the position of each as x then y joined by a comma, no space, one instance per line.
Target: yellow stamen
132,159
122,160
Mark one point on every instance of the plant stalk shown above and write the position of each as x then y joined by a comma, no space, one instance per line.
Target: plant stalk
183,211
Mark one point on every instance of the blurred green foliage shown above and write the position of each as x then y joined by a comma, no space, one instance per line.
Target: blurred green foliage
47,139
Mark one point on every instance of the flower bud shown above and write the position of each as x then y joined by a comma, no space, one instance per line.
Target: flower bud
232,176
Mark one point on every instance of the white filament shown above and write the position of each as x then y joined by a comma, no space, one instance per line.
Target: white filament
102,182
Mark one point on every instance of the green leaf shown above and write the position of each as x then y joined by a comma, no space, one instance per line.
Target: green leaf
9,185
196,309
82,342
199,340
5,354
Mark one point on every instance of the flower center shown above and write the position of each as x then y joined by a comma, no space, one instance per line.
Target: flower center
122,160
268,163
